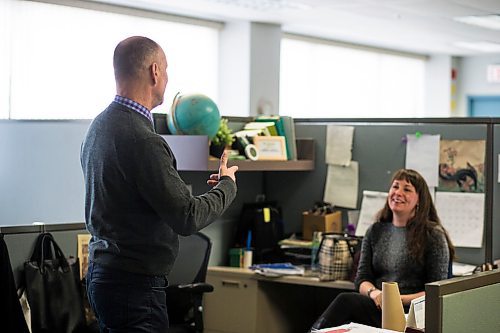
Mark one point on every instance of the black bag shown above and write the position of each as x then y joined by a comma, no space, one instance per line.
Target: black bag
52,286
264,221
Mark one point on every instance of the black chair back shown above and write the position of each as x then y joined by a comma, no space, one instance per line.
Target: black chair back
192,261
187,284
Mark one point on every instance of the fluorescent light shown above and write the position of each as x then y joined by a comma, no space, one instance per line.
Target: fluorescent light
479,46
263,5
486,21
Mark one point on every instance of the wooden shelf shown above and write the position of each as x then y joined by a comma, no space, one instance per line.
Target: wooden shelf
191,152
305,153
247,165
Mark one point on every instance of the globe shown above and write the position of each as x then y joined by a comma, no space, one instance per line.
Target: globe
193,114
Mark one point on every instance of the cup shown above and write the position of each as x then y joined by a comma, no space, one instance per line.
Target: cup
247,258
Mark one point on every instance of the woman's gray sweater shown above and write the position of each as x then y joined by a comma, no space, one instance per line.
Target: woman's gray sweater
385,258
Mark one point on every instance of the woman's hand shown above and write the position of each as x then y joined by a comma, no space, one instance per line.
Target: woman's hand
376,297
406,299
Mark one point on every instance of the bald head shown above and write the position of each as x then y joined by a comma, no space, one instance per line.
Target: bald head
133,56
140,71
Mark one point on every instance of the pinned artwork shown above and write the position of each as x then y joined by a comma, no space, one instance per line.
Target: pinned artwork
461,166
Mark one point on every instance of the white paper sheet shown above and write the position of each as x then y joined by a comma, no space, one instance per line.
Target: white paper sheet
341,188
462,269
354,328
416,315
339,144
462,214
371,203
422,155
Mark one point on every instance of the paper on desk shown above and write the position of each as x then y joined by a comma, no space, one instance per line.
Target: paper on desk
354,328
416,315
422,155
338,149
277,269
461,269
462,214
371,203
341,188
393,316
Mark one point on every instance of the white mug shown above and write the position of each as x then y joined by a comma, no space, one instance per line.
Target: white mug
247,258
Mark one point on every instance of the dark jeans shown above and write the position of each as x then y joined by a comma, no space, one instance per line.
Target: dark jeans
127,302
350,307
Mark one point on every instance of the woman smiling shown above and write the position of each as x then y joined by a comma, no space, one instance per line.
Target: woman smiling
407,245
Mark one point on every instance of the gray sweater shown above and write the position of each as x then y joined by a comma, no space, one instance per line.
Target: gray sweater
385,257
136,204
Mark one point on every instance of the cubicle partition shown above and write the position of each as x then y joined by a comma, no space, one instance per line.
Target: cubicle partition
464,304
41,179
20,241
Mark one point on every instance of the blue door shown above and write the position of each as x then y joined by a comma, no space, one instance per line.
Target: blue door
483,106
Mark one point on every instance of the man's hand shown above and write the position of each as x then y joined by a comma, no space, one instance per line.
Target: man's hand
223,171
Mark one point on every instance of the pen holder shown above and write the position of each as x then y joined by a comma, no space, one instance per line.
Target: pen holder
247,258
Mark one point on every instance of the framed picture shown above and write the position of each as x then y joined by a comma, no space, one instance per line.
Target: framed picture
83,253
270,147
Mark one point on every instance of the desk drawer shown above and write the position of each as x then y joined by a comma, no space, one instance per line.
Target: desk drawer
232,306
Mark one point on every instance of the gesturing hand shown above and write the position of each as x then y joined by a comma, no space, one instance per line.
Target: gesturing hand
223,171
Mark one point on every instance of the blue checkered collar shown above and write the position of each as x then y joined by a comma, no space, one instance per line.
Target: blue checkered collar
134,106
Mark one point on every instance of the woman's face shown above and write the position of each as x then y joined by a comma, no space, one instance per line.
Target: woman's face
403,197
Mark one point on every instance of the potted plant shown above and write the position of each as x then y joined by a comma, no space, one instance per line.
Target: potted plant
222,139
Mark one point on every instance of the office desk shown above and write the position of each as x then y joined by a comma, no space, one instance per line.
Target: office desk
245,302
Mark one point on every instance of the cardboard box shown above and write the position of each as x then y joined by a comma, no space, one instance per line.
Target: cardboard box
324,223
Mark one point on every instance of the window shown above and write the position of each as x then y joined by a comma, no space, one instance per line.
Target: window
4,58
62,58
321,80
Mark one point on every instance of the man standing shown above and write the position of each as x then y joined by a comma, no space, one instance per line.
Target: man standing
136,204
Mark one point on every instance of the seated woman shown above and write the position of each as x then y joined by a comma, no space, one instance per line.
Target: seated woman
407,245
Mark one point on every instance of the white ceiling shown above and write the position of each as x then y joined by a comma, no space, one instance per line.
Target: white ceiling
418,26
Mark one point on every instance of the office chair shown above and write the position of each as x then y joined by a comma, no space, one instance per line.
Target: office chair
187,284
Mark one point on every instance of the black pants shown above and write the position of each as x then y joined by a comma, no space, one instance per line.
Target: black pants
350,307
126,302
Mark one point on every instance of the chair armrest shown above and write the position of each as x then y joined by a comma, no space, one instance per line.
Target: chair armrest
196,288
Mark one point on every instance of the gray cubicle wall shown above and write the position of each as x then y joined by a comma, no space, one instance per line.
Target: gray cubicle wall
41,181
40,173
380,149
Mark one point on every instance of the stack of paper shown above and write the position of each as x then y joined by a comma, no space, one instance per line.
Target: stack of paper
354,328
278,269
461,269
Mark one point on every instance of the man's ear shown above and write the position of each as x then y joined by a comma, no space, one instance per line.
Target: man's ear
155,71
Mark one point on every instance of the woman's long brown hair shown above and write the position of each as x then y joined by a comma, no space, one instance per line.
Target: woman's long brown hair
425,220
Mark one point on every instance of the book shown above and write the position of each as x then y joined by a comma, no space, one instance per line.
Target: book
267,127
291,145
278,123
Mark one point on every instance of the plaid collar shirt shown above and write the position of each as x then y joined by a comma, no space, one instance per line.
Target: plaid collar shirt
134,106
